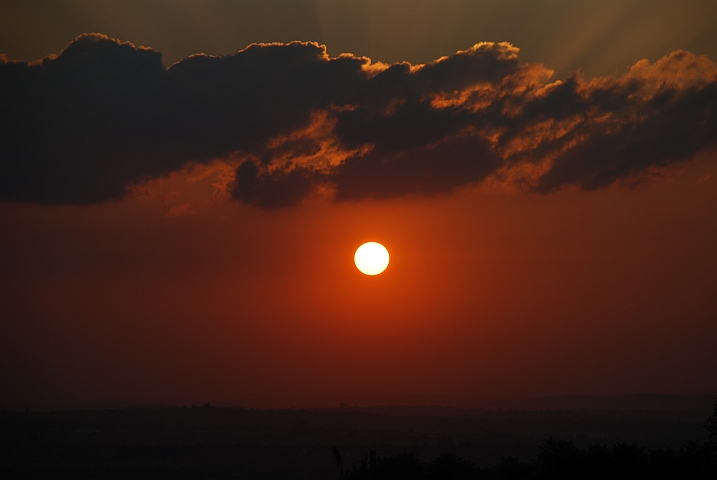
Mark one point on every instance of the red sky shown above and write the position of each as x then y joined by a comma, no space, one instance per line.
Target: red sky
596,276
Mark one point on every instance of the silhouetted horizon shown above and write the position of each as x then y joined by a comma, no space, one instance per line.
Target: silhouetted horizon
440,403
360,441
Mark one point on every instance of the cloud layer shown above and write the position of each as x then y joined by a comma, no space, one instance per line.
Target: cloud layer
82,126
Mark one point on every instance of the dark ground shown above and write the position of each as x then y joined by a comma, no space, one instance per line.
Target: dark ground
211,442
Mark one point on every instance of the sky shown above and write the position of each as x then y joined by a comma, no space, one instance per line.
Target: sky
183,186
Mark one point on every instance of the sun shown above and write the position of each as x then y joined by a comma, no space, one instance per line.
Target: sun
371,258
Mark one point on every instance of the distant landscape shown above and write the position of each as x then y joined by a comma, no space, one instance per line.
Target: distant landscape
233,442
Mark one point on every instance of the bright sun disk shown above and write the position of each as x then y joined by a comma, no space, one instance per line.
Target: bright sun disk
371,258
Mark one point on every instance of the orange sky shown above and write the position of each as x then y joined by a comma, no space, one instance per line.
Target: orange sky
178,293
608,292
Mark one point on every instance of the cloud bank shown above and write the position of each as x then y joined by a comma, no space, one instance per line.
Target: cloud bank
81,127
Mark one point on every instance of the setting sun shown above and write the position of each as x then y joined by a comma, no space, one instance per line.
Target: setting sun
182,183
371,258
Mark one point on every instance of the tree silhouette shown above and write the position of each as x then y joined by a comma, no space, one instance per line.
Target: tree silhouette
510,468
711,426
559,459
450,466
339,461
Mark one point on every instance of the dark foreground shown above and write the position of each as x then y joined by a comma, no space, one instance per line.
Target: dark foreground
556,459
377,442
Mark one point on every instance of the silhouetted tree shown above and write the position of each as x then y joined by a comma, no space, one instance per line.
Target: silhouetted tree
403,466
510,468
711,426
397,467
339,461
626,459
559,459
450,466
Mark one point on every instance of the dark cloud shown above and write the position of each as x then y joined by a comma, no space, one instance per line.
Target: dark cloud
672,125
78,128
422,170
81,127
